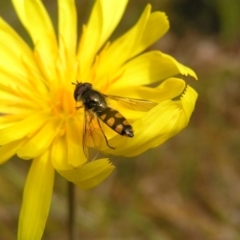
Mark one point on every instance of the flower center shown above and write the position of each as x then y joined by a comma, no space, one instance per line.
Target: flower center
63,102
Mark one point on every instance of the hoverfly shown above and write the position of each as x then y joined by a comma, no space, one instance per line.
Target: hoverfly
97,109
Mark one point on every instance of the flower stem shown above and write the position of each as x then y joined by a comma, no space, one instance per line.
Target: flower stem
72,227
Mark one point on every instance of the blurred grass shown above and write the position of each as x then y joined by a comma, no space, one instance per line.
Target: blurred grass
189,187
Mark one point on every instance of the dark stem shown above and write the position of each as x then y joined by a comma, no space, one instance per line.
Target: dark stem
72,227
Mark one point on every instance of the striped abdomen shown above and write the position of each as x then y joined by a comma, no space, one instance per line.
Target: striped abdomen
116,121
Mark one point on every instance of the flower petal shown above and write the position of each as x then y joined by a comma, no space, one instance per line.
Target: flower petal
10,120
35,19
149,68
168,89
121,49
36,199
18,99
180,120
148,29
90,174
67,151
15,52
75,155
103,19
8,150
158,125
157,25
22,128
40,142
145,129
59,154
67,26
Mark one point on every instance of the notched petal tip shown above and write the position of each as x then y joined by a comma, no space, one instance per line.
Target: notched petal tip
157,126
89,175
188,100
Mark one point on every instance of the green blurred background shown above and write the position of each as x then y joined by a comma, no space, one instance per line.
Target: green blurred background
188,188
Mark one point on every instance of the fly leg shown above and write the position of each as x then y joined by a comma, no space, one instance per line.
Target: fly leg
100,126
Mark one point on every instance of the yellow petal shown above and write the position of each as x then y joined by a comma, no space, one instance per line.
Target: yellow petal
104,17
149,68
111,13
179,120
121,49
176,121
67,26
40,142
187,105
22,128
155,127
168,89
59,154
22,86
90,174
75,153
35,19
18,99
157,25
10,120
67,150
15,53
36,199
8,150
145,128
148,29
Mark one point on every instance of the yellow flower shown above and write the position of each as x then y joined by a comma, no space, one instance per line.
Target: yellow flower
39,118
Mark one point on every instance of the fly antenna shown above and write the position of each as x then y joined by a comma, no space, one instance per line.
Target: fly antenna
76,83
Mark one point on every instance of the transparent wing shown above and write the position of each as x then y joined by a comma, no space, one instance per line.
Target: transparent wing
93,136
89,141
133,103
